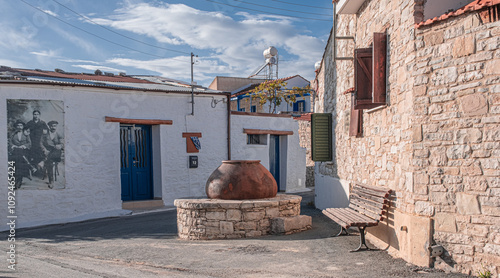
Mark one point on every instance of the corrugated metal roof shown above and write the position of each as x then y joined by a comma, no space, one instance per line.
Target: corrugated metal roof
149,83
473,6
82,76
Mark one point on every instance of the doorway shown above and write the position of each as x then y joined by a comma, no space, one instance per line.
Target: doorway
136,162
274,158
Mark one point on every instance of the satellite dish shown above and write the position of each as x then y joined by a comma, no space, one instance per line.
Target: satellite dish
270,52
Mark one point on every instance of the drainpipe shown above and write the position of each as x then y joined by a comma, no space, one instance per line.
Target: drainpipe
229,126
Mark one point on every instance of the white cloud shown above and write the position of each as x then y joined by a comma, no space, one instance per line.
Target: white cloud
177,67
76,40
50,13
237,44
46,53
10,63
78,61
13,39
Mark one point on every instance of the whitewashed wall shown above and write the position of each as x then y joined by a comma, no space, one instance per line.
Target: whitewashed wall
92,150
294,155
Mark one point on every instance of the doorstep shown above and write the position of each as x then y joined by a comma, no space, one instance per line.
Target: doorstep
143,205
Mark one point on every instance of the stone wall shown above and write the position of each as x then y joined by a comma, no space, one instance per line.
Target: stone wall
436,142
456,139
305,142
199,219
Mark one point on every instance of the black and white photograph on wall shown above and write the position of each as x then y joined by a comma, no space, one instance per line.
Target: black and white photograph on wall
35,136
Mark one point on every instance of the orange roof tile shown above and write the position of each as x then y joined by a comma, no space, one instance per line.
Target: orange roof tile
473,6
304,117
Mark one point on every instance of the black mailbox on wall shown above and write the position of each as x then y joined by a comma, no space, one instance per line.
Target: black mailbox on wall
193,161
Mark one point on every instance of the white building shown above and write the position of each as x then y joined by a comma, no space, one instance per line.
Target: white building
124,143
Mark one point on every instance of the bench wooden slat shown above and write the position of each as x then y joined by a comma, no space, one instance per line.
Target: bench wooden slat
378,205
376,210
370,192
367,196
336,219
375,188
366,212
350,215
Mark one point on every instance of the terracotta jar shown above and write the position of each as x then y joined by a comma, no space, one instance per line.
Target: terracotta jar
240,180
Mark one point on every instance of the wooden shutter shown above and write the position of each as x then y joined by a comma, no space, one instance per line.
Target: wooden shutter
321,137
379,68
370,74
363,78
356,120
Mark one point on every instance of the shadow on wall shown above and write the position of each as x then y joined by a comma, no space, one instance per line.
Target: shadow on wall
331,192
404,235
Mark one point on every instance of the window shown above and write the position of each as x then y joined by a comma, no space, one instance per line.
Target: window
321,137
242,109
253,108
370,74
299,106
257,139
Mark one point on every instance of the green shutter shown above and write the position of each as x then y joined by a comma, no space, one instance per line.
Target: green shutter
321,137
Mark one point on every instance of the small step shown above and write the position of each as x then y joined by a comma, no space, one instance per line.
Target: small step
291,224
144,204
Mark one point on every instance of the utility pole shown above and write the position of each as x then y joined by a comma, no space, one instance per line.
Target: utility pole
192,84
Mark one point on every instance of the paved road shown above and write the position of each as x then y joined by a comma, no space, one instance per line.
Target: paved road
146,245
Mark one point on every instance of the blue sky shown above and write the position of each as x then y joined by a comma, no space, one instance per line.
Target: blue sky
156,37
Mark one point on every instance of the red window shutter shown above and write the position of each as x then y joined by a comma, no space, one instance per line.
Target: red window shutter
370,74
379,68
363,78
356,121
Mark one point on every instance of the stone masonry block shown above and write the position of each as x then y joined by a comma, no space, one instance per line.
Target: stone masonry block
272,212
233,215
216,215
226,227
445,222
254,215
474,105
467,204
280,225
434,38
464,46
246,225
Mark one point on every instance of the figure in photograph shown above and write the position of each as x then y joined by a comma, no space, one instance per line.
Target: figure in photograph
35,133
36,127
52,144
20,144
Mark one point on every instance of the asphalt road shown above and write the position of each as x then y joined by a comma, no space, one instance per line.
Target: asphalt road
146,245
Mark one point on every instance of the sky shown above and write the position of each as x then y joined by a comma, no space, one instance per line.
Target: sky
157,37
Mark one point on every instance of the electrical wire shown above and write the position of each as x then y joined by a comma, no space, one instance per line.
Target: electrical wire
265,6
97,36
265,11
125,36
315,7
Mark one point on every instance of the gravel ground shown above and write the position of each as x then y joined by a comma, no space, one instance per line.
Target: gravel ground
146,245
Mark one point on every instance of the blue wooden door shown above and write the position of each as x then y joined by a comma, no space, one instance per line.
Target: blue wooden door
135,162
274,158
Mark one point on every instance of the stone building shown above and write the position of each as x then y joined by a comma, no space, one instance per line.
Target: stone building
418,111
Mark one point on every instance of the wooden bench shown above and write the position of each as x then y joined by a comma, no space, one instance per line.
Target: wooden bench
367,205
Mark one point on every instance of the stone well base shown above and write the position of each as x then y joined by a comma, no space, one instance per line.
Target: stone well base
224,219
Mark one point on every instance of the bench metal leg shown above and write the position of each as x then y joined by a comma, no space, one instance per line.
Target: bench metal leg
362,240
342,230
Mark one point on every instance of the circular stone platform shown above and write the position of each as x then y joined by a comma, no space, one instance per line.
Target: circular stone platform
199,219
